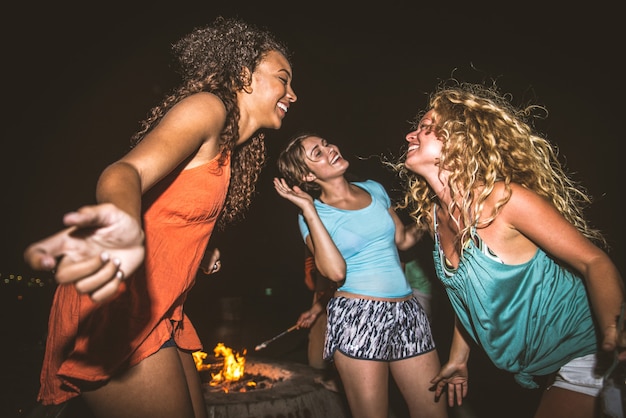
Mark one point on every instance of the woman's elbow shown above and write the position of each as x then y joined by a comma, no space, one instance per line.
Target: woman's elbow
336,274
403,245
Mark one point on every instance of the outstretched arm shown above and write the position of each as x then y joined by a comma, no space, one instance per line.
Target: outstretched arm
104,243
101,246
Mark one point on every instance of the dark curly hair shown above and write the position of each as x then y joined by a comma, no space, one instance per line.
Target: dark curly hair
210,59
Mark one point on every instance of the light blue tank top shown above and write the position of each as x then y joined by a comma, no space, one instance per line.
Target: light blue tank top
530,318
366,240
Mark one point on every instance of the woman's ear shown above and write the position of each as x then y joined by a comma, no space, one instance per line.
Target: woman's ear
310,177
246,79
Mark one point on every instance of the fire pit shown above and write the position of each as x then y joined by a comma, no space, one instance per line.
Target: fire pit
273,389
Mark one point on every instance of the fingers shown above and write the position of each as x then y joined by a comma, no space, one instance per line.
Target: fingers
37,258
99,277
613,338
280,182
42,255
455,391
461,392
109,289
70,270
214,261
89,216
212,268
608,344
281,186
305,320
284,189
216,254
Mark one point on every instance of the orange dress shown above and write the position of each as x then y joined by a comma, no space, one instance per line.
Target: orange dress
88,343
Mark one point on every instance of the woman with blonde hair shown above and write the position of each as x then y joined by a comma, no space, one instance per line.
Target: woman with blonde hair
523,269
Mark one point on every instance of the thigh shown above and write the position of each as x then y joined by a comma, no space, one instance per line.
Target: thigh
575,389
557,402
412,376
194,383
366,384
154,388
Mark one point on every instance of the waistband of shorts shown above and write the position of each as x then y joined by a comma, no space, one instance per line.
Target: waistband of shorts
342,294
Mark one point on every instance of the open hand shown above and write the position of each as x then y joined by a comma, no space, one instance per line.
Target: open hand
455,377
101,246
294,194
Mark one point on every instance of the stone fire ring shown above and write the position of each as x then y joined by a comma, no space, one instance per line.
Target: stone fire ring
295,393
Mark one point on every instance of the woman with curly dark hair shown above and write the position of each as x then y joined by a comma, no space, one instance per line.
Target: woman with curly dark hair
118,335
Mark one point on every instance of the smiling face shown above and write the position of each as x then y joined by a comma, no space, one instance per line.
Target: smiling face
424,149
267,98
323,159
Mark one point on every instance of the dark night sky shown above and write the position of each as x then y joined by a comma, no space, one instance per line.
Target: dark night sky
78,79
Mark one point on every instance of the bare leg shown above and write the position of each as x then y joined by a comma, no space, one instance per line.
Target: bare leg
562,403
413,376
154,388
365,383
194,383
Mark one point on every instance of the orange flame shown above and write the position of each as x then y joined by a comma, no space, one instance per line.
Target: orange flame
198,358
232,370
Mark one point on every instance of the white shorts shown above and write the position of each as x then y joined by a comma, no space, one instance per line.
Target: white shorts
579,375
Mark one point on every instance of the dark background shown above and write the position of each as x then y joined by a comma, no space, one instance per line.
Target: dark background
78,78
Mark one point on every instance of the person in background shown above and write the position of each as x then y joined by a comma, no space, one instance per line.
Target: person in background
420,283
118,335
375,324
524,271
315,317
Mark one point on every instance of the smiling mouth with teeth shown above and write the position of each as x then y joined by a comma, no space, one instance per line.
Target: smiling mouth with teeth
283,107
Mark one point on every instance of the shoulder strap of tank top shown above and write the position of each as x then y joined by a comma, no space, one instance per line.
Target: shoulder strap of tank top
435,224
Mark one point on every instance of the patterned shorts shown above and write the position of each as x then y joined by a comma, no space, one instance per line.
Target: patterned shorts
377,330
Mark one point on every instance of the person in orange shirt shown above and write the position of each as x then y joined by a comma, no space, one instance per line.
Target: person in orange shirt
118,335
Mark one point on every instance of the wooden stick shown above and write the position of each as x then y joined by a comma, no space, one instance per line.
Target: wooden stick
265,343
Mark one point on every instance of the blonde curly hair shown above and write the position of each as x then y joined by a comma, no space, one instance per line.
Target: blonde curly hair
486,139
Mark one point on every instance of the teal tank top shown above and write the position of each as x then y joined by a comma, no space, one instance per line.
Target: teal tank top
530,318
